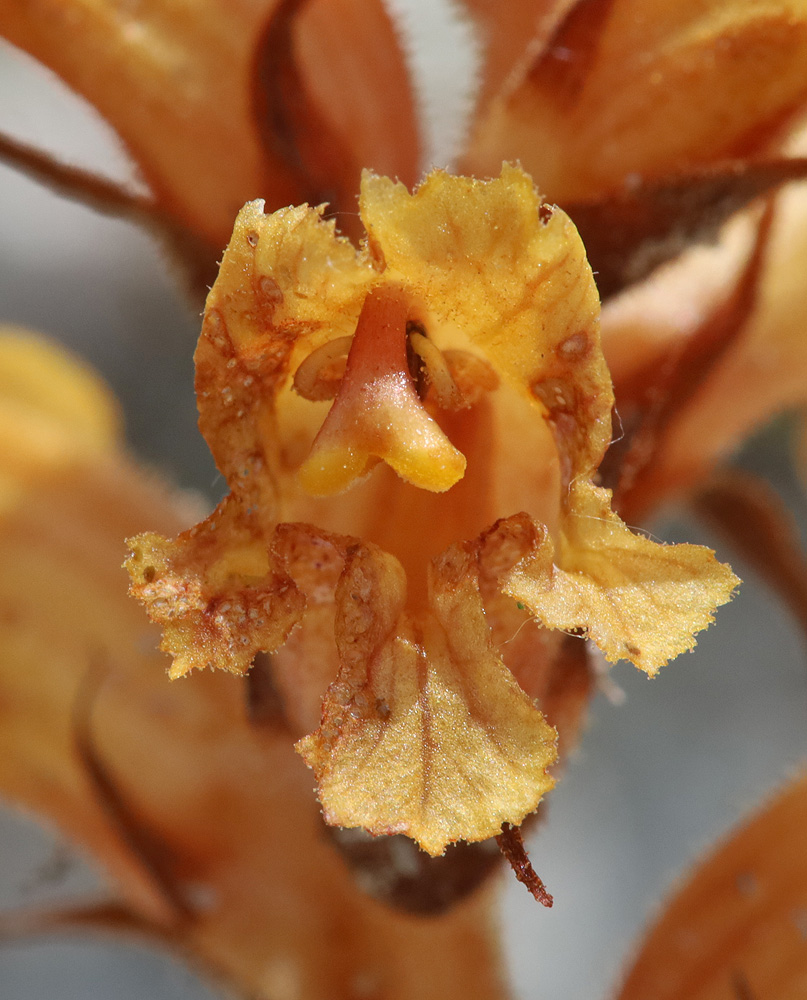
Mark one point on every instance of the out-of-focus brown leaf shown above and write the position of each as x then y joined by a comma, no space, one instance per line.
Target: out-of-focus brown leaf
645,88
123,821
630,233
66,396
763,373
176,84
353,63
564,65
52,414
175,777
182,87
759,374
754,520
655,398
736,929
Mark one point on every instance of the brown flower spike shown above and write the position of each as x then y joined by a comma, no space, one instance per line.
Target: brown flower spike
470,411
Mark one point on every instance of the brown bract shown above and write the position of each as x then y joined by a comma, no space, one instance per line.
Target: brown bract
631,90
736,927
464,331
651,124
215,100
719,324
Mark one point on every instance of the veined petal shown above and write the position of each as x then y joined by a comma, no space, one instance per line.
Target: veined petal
424,731
215,589
219,602
508,275
637,599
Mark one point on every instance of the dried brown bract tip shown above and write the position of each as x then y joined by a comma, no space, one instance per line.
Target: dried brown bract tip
512,847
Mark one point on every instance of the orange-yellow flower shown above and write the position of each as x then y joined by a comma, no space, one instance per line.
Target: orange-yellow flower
467,325
422,568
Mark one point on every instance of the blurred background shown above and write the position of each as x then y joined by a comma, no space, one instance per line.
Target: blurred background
665,767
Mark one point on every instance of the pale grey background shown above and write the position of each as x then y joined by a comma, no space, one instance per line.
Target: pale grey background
655,779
